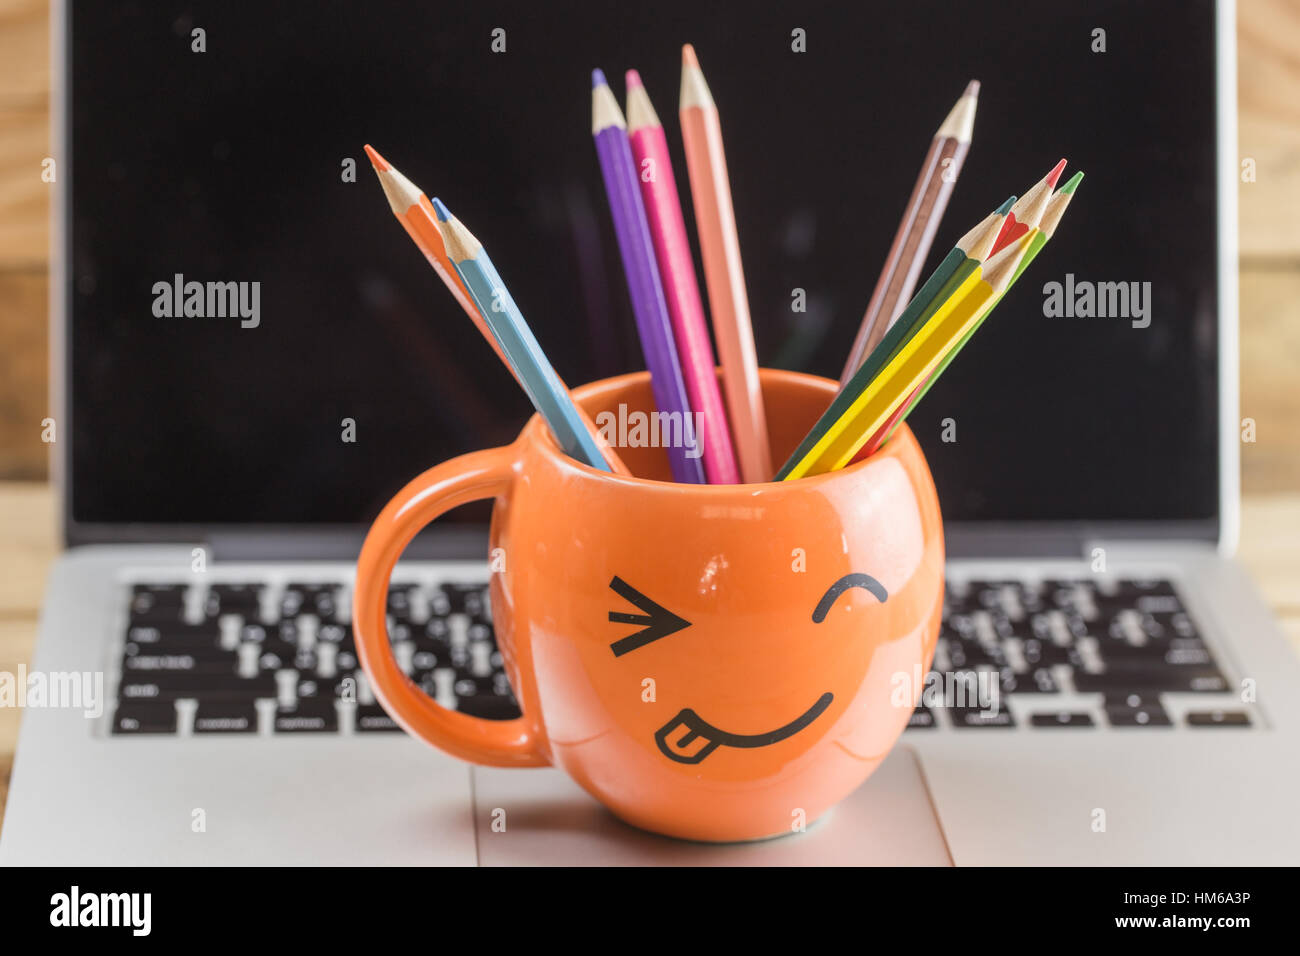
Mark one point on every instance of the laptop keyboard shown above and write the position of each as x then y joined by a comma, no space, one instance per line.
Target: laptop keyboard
1082,653
240,663
241,658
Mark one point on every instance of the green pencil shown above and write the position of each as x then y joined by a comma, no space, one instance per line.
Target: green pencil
1051,219
969,252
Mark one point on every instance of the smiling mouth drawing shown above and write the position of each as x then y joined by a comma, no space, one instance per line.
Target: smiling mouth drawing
698,728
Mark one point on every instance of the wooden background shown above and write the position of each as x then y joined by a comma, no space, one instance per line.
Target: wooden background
1269,96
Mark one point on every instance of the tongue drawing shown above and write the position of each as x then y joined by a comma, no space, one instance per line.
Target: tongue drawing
682,749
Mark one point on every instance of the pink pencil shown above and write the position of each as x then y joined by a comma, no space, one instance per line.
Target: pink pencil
677,272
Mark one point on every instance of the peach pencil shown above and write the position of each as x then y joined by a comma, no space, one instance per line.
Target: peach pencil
724,276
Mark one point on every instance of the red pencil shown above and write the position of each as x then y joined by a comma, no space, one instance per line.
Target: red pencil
1028,210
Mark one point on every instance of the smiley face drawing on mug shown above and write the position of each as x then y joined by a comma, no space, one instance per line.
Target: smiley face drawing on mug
657,623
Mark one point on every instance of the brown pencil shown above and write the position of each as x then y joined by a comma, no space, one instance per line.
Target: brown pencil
921,217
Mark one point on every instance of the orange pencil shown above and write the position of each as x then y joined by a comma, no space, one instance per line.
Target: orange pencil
715,221
414,211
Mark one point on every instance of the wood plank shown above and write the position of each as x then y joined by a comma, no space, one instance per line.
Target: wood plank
24,372
1291,626
28,546
24,197
17,638
1268,128
24,54
1270,366
1270,549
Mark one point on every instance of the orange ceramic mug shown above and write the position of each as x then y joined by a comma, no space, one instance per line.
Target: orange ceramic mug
715,662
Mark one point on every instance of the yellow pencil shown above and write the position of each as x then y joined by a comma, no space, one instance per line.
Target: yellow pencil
910,366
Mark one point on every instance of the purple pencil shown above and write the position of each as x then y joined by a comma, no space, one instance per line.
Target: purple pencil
644,287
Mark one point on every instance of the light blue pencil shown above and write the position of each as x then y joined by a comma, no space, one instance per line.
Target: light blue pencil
516,339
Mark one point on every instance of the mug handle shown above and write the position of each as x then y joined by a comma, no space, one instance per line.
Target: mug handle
496,743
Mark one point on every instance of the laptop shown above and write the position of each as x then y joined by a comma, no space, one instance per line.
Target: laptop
218,472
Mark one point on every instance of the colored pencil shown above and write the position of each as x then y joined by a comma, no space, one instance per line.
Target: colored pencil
1028,210
955,268
1047,227
857,413
724,277
677,273
1052,216
498,308
917,228
413,210
637,250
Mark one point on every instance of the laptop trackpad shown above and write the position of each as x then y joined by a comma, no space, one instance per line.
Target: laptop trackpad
544,818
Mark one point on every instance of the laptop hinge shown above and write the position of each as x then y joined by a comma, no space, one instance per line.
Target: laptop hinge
340,544
1073,540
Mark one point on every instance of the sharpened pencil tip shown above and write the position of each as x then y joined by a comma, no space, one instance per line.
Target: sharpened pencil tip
972,88
1006,206
377,161
632,78
1055,174
1073,183
444,214
688,56
598,78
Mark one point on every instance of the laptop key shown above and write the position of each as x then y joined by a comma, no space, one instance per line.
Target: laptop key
1136,710
202,687
477,605
1186,653
208,661
401,597
242,599
1037,681
922,719
374,719
340,634
225,717
160,602
1218,718
309,716
488,706
1134,588
1148,715
457,594
1044,654
1152,678
145,717
1062,719
174,634
969,717
318,599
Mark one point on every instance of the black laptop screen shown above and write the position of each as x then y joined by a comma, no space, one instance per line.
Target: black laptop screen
230,165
